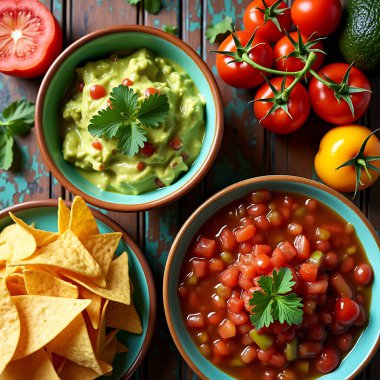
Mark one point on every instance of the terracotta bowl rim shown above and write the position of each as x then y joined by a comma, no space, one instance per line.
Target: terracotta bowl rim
218,127
137,252
211,200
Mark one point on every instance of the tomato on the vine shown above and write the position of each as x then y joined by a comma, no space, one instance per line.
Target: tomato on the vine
254,18
241,74
340,145
284,47
30,36
316,16
326,105
279,121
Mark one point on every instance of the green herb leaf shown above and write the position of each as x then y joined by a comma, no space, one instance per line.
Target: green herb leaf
151,6
18,117
273,303
131,138
171,29
106,123
288,309
222,27
6,149
153,110
127,120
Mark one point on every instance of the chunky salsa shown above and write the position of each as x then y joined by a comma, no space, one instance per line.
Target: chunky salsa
252,238
169,150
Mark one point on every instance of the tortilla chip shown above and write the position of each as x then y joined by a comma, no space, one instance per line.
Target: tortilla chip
123,317
39,235
102,248
3,271
94,308
109,352
53,237
10,326
16,289
121,347
42,319
74,344
101,336
66,253
39,282
82,222
15,277
17,243
34,367
73,371
117,288
63,216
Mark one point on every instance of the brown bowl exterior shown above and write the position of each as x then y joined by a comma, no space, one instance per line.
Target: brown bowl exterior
218,119
136,250
205,205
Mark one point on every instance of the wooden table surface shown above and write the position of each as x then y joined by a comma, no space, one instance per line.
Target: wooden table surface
247,150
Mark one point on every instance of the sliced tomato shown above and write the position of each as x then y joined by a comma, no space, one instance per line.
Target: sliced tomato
30,38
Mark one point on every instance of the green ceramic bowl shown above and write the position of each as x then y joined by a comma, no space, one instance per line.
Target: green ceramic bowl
369,340
101,44
44,215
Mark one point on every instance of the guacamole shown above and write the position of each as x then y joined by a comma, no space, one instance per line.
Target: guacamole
169,150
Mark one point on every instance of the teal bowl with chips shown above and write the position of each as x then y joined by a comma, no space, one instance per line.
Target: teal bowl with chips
43,214
369,340
101,44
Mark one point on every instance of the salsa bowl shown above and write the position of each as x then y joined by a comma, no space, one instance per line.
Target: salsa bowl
101,44
183,276
43,214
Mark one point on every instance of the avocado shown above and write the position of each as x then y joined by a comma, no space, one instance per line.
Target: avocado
359,41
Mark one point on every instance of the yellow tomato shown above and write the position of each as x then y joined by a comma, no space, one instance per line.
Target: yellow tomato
340,145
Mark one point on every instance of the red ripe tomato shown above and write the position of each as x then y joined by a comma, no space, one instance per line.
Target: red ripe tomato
363,274
283,47
30,36
253,18
97,91
328,361
147,150
127,82
316,16
279,121
240,74
150,91
324,102
346,311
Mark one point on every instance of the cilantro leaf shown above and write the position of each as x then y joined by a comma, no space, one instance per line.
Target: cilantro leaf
18,117
106,123
131,138
262,311
171,29
6,149
124,100
151,6
274,302
222,27
153,110
283,280
128,119
288,309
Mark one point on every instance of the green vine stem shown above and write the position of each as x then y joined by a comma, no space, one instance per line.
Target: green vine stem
297,74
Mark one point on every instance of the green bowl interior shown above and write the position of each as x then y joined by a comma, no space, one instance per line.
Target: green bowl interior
99,48
369,336
46,218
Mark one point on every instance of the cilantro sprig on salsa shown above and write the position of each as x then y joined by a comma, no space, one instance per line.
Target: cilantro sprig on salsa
128,118
275,302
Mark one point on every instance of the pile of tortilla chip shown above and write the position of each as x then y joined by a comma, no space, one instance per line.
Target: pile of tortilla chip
63,298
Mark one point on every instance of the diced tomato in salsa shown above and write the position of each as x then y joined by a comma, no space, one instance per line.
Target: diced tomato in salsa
253,237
